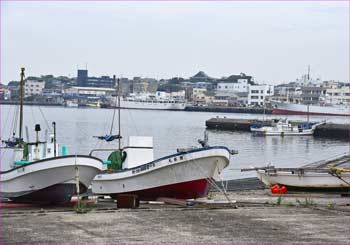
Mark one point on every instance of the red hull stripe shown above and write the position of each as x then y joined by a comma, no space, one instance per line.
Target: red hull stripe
184,190
288,112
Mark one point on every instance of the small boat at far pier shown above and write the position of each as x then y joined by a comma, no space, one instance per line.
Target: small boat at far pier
284,128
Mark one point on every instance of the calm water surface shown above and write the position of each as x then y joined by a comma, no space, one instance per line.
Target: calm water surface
175,129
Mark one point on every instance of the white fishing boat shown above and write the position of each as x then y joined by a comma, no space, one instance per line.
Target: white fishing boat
185,174
149,104
36,173
158,101
305,178
287,108
71,103
283,128
321,108
332,175
132,169
49,179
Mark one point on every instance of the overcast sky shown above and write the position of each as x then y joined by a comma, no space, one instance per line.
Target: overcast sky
272,41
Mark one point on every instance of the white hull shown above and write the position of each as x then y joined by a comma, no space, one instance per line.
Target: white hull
171,170
283,128
309,179
300,109
269,131
72,104
46,173
152,105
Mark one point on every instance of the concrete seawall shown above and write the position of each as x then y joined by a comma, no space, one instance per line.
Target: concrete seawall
5,102
328,130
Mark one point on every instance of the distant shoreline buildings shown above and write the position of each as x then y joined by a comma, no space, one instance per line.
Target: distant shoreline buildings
200,89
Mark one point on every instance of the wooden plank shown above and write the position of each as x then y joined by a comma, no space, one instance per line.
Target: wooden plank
174,201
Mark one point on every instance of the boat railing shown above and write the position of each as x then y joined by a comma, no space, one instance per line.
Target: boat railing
122,149
271,169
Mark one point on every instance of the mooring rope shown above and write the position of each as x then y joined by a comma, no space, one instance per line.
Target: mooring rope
213,183
7,118
335,174
133,122
46,122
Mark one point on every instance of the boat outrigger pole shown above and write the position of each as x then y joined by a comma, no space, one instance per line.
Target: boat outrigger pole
54,138
21,104
119,139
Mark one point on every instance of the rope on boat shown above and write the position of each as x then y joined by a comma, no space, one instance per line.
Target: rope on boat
339,169
45,120
325,162
32,110
213,183
133,122
110,132
334,171
7,119
335,174
14,122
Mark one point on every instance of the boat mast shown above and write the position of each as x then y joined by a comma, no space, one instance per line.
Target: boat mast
54,139
119,138
21,104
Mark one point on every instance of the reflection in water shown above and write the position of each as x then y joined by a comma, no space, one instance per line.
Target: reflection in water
307,144
172,130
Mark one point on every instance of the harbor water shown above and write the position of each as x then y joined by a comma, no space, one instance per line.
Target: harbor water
171,130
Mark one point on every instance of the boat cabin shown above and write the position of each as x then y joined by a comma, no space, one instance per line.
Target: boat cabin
139,151
35,151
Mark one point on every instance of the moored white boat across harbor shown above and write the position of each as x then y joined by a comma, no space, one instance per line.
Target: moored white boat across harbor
284,128
286,108
153,104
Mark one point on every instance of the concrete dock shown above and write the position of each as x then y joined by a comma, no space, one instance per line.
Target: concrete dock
328,130
259,218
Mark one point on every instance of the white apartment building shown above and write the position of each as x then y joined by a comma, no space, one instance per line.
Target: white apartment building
336,95
239,87
33,87
257,94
